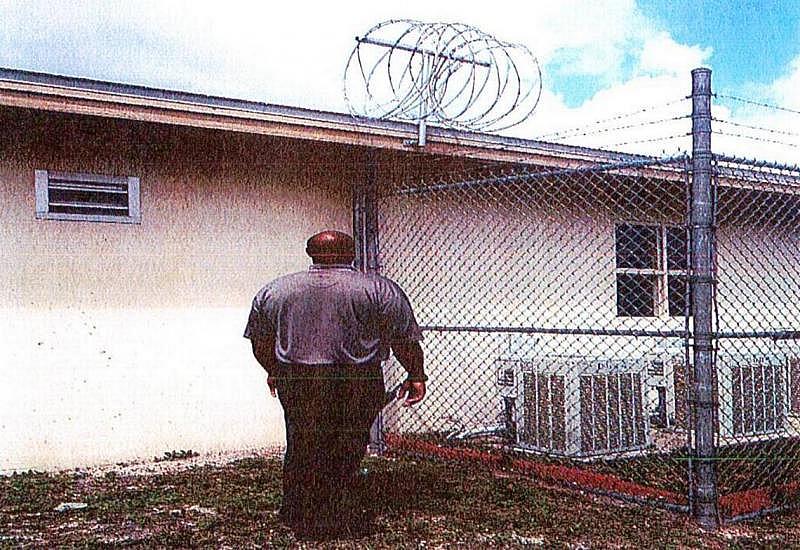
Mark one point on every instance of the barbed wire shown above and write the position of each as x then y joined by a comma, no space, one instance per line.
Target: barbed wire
755,138
625,127
613,118
649,140
757,103
752,127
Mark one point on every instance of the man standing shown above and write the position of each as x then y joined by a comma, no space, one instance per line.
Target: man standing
321,335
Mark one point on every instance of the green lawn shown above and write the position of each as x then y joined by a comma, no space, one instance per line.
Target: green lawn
415,505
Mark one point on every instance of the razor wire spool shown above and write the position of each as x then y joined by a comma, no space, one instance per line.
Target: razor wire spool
450,74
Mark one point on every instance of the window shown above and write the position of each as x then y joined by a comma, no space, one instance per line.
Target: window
87,197
651,270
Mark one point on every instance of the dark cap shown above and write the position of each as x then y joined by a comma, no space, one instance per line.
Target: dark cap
331,244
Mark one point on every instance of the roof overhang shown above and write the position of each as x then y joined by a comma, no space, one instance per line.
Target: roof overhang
81,96
39,91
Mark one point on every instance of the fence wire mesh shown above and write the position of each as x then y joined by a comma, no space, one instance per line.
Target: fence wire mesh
757,325
554,310
629,328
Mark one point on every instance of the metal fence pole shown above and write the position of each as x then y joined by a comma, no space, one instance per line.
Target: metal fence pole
371,214
702,280
358,224
365,233
365,217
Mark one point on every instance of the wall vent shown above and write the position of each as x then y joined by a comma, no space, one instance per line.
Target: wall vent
87,197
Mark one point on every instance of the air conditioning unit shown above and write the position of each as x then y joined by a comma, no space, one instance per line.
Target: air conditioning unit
667,383
753,395
577,406
794,384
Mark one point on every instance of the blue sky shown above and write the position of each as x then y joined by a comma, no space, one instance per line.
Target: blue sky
599,58
752,40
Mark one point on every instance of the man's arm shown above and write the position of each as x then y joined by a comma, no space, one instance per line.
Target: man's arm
264,352
410,355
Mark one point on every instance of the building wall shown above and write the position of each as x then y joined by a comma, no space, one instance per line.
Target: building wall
124,341
121,341
758,262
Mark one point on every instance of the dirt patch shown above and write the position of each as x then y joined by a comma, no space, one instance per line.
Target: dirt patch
176,461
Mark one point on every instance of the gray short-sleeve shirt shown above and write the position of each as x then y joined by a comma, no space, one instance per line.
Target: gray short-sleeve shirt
332,315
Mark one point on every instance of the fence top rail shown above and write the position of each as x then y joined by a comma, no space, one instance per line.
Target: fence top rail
527,176
759,164
782,334
756,175
564,331
774,334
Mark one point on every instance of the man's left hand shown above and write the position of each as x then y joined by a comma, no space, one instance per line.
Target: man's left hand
414,392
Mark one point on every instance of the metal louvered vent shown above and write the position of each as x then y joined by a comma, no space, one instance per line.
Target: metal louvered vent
87,197
583,407
759,399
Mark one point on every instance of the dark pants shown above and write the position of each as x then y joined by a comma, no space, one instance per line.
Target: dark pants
328,411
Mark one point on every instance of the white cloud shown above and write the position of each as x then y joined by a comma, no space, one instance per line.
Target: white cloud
646,115
282,52
643,75
660,54
785,89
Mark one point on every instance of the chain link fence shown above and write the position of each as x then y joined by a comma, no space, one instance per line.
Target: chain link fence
758,325
555,306
554,309
628,328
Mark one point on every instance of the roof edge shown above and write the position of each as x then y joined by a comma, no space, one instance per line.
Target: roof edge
87,96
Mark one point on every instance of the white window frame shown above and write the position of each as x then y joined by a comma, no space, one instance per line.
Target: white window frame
90,182
661,273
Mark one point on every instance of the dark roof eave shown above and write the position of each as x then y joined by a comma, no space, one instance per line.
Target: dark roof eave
309,116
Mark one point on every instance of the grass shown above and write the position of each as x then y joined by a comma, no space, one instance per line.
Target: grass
415,504
751,476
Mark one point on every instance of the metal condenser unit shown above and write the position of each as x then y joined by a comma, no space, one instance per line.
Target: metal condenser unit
577,406
754,395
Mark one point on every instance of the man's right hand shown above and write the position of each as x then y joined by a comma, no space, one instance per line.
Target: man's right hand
272,386
414,392
264,352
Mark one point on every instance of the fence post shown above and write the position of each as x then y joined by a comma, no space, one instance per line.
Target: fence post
702,280
365,234
365,217
371,214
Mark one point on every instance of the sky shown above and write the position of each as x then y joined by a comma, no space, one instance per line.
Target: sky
624,60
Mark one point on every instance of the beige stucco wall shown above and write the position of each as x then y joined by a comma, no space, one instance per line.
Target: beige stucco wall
121,341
